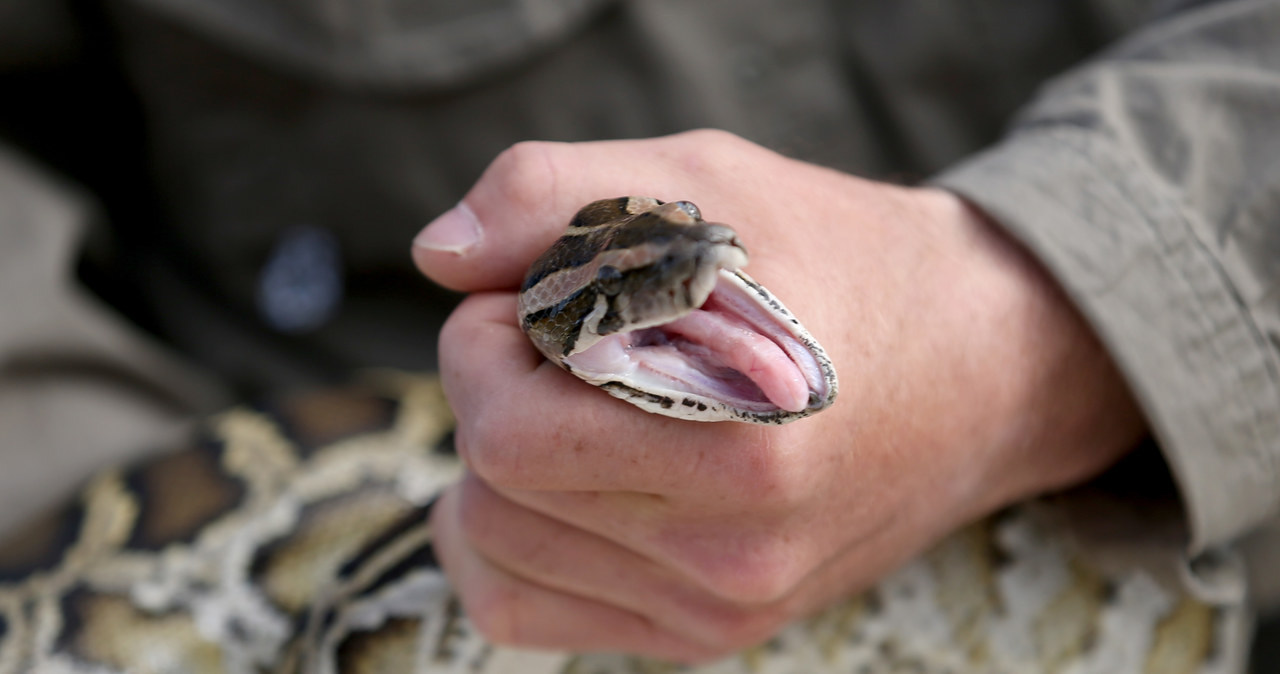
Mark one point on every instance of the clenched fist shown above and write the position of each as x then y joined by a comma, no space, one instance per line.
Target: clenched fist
967,382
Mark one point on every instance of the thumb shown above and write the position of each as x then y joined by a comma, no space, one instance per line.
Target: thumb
507,218
524,200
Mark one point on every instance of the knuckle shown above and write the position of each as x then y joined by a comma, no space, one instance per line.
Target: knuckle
492,611
490,453
717,137
474,517
525,173
694,147
464,326
456,329
760,572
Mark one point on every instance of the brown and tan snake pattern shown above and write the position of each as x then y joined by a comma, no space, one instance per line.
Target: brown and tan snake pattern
292,537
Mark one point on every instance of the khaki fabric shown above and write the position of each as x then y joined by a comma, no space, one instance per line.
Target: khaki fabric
1151,188
79,389
1142,170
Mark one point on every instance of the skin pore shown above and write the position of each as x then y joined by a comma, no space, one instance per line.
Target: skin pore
968,381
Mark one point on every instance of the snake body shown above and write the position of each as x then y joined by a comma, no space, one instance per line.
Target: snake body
293,537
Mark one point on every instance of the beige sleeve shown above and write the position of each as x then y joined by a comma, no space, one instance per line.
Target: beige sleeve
1148,182
78,388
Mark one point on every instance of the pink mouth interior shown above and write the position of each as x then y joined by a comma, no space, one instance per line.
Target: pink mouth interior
730,350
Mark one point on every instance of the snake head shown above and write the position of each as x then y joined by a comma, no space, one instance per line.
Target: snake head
624,264
663,264
648,301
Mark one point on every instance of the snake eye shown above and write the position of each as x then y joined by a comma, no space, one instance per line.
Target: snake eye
691,210
609,280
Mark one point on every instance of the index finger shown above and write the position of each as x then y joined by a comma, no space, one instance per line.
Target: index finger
524,423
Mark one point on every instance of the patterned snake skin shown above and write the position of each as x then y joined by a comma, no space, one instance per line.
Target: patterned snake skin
292,537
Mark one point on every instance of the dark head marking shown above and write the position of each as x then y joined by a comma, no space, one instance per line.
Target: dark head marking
609,280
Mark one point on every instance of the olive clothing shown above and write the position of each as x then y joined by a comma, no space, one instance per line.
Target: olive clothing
240,181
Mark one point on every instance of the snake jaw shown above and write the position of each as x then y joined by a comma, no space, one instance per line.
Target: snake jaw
738,356
647,302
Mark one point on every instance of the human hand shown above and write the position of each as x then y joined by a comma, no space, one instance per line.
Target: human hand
967,382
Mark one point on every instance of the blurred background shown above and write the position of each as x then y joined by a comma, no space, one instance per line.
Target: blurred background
247,176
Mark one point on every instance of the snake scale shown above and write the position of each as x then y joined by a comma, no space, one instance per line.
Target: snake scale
292,536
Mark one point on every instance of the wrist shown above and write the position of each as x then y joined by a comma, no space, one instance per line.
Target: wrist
1056,410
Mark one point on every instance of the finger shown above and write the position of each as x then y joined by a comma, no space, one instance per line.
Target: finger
525,199
754,557
524,423
550,553
511,611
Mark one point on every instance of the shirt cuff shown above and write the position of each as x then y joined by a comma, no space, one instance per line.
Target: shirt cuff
1145,271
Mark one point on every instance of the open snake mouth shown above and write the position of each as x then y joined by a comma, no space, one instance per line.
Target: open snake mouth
741,349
